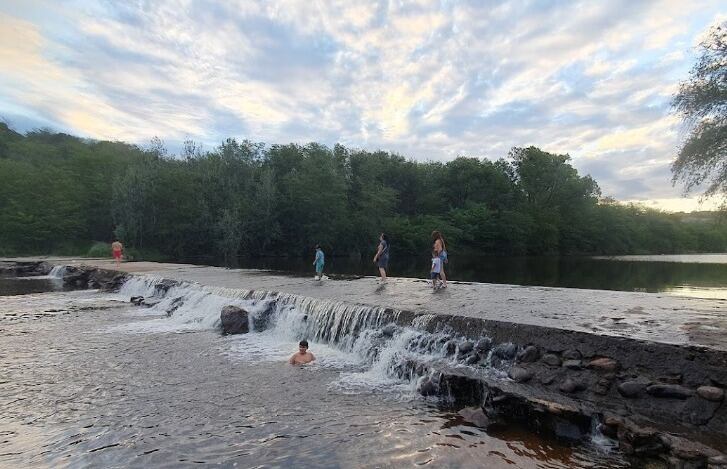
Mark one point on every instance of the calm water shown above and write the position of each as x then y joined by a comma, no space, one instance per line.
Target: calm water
686,275
86,381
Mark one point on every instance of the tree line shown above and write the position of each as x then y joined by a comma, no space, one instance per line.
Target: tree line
59,193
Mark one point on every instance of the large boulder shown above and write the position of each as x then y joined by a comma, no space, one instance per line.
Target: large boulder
234,320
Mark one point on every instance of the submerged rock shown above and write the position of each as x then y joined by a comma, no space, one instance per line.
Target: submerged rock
427,387
389,330
234,320
261,321
466,347
475,416
137,300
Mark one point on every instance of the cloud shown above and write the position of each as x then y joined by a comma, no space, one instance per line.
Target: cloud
428,79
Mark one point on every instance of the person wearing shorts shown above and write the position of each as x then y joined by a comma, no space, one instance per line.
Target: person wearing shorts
436,271
319,262
381,258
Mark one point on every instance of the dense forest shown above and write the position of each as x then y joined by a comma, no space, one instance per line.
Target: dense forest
60,193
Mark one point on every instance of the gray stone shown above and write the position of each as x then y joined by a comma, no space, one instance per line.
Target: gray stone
572,355
466,347
389,330
234,320
475,416
427,387
520,375
631,388
551,359
571,385
472,359
669,390
505,351
603,364
573,364
711,393
699,411
483,345
529,354
547,379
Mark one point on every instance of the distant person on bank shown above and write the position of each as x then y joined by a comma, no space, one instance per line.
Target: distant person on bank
440,249
117,249
319,262
381,258
302,356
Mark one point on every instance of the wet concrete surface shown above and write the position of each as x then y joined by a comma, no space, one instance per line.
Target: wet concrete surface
643,316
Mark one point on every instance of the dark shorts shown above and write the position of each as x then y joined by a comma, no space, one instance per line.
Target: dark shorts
435,275
383,262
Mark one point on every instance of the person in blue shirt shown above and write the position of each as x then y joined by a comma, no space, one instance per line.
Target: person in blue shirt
319,261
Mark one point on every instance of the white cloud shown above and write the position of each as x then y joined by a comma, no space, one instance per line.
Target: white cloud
428,79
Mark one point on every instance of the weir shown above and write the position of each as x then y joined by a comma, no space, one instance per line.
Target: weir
661,398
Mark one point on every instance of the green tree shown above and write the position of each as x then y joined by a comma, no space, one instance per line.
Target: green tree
702,103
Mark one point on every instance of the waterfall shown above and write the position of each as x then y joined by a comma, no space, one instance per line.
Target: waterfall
371,337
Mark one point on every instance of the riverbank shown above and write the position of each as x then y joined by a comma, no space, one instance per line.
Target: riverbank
650,368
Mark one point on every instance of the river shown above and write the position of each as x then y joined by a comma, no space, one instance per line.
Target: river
88,380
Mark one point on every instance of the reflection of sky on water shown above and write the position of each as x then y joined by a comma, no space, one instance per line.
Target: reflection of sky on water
711,293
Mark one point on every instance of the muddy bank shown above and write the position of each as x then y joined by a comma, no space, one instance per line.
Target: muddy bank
660,401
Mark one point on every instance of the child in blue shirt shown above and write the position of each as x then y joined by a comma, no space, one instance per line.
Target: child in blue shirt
436,271
319,261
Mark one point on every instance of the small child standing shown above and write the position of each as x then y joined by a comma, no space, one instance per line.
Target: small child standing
436,271
319,261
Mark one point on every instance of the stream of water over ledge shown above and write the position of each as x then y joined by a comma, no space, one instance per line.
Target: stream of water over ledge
88,380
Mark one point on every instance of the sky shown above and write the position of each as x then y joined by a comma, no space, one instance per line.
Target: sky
430,80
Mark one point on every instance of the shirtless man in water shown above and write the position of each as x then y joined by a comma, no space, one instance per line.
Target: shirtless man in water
302,356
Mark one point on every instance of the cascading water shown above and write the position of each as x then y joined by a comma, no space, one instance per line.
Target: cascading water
364,341
57,272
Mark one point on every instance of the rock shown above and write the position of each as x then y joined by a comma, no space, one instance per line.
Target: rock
261,320
572,355
530,354
137,300
711,393
671,379
483,345
642,441
547,379
603,364
427,387
234,320
573,364
551,359
699,411
389,330
475,415
450,347
602,386
174,305
571,385
669,390
520,375
505,351
466,347
472,359
631,388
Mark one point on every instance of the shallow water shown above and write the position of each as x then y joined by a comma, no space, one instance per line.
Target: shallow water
87,381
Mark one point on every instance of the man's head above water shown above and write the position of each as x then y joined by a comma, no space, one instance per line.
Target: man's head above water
303,356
